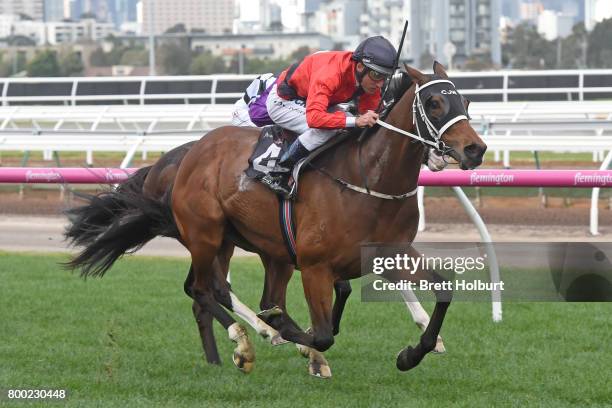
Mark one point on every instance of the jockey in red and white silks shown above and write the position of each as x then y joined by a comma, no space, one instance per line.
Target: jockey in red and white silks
305,97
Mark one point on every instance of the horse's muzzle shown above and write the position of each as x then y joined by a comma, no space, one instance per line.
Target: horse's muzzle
472,155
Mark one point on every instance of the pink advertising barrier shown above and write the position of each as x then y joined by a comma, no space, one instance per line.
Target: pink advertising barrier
481,178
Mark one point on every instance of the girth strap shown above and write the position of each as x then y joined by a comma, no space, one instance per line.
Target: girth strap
288,227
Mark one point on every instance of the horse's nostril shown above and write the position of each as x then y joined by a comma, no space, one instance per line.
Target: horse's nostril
474,150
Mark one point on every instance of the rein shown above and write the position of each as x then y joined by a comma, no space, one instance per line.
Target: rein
365,190
434,140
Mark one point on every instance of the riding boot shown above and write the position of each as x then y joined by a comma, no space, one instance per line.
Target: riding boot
294,154
278,179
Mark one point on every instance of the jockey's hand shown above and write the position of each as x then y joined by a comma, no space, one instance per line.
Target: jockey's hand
368,119
435,162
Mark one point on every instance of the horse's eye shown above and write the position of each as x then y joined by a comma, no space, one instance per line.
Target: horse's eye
435,104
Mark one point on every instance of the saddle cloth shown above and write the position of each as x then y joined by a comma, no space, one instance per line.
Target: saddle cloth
272,143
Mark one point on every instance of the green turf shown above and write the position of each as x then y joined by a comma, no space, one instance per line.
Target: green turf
544,157
129,340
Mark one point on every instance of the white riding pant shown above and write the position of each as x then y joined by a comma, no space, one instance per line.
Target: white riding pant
291,115
240,114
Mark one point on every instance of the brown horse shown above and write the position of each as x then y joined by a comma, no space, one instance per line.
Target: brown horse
92,227
117,221
213,201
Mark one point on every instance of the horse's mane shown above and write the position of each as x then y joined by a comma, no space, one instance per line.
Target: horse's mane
398,85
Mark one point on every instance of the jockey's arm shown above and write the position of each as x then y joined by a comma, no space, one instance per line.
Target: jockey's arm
317,104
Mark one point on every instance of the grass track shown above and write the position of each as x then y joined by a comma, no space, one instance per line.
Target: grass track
129,340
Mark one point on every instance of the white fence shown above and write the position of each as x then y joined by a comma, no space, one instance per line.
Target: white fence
548,126
502,86
132,129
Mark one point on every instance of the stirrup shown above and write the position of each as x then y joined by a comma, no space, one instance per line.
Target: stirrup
278,170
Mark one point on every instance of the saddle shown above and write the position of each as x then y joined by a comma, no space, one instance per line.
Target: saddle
272,143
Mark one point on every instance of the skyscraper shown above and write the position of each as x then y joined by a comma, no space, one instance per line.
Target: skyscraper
212,16
121,11
471,26
386,18
53,10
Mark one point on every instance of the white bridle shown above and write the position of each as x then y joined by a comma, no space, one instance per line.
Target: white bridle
435,135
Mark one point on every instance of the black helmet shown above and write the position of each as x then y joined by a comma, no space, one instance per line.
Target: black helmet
376,53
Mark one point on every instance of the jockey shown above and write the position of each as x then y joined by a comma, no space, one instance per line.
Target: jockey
305,98
250,109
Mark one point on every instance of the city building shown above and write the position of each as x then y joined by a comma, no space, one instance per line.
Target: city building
340,20
530,10
261,45
53,10
386,18
34,9
264,45
15,25
257,17
453,31
77,31
209,16
55,32
77,9
595,11
553,24
122,12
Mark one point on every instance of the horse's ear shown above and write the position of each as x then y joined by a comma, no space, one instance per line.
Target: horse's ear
416,75
439,70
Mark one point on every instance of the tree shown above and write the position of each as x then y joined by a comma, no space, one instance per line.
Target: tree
261,66
300,53
572,48
135,56
527,49
71,64
207,64
44,64
426,60
175,58
98,58
599,53
478,63
5,65
114,56
177,28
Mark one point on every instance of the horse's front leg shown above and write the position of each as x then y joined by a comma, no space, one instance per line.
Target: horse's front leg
273,302
410,357
420,316
318,289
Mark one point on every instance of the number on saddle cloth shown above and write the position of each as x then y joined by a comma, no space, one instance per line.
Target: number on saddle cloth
272,143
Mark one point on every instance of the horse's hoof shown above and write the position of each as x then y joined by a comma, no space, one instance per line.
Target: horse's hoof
272,336
243,362
265,315
304,350
244,353
407,359
319,370
439,349
278,340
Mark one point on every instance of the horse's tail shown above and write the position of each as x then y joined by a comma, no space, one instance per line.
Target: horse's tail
117,222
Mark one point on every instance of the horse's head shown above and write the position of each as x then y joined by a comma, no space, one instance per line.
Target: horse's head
440,115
